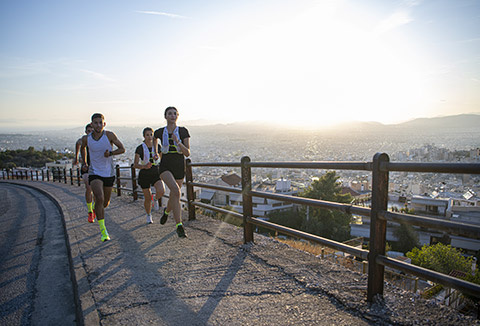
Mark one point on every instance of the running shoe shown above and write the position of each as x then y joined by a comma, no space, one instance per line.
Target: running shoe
164,217
105,236
181,232
91,217
149,219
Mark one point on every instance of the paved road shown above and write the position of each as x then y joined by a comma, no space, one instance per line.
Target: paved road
35,284
146,275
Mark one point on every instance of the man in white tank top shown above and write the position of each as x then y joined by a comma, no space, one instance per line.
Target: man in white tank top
101,172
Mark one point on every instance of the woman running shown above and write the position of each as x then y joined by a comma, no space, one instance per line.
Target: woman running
175,145
149,174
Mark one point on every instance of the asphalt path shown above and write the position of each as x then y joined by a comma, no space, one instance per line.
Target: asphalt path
35,280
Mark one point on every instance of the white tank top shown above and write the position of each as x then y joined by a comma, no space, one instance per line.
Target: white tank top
99,164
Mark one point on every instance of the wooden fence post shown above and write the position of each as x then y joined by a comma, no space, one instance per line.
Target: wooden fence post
65,175
247,199
119,185
378,227
48,175
134,182
71,176
190,191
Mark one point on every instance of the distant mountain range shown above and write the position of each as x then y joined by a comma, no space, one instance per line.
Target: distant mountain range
461,122
451,121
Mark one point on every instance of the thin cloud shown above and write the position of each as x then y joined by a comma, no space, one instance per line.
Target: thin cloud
412,3
160,13
120,102
395,20
97,75
470,40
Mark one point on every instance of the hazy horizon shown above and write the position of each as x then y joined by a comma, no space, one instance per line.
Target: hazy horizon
204,123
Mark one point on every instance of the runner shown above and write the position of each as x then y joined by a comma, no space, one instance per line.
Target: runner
149,174
101,171
175,145
88,189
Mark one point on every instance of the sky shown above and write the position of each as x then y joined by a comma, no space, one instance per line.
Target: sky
305,63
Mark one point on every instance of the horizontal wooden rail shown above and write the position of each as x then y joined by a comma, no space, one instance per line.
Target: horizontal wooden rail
449,281
347,208
467,168
216,187
458,228
125,188
126,178
311,237
366,166
217,209
216,164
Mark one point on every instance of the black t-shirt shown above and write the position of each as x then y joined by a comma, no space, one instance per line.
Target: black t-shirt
139,151
182,131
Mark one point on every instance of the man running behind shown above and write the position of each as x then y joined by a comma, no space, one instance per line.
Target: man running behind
88,189
101,170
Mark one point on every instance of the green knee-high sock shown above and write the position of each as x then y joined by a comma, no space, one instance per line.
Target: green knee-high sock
102,226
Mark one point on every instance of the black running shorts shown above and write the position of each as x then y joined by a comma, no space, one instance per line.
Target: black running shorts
148,177
107,181
174,163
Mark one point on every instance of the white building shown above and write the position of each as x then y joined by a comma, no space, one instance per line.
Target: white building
64,163
261,206
452,209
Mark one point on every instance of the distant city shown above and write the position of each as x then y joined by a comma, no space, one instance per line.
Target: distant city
449,139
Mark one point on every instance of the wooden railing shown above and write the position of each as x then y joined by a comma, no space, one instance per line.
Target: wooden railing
378,213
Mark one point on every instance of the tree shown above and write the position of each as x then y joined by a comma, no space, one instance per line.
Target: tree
29,157
289,218
332,224
441,258
407,238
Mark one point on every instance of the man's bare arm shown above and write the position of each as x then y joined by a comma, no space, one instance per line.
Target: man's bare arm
83,153
78,144
114,140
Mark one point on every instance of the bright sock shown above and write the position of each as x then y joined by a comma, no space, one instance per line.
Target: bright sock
90,207
102,224
179,224
103,230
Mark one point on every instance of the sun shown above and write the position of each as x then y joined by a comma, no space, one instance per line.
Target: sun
316,68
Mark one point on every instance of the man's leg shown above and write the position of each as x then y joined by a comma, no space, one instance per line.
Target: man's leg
98,194
107,193
97,189
88,198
